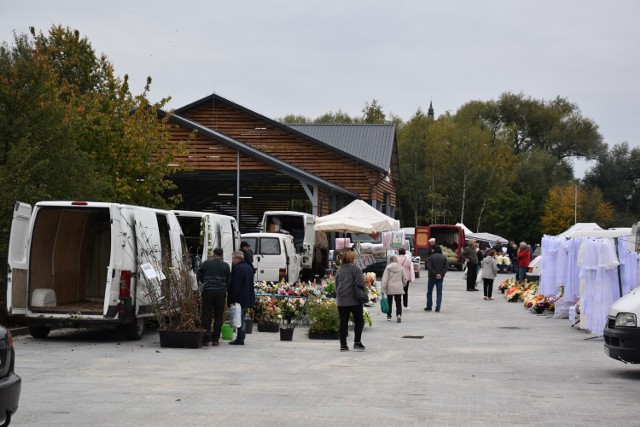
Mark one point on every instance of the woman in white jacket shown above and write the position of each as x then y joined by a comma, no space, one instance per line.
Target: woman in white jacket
489,272
393,280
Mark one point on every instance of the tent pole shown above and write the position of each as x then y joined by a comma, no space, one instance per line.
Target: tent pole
615,240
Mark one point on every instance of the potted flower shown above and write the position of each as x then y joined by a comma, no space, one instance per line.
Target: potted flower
267,311
324,320
291,310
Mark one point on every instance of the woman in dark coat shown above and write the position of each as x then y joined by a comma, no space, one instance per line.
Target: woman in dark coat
347,278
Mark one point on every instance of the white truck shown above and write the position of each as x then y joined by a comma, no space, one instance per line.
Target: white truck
311,246
274,257
79,264
203,231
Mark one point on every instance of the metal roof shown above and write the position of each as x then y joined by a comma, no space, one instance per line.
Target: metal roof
287,168
369,142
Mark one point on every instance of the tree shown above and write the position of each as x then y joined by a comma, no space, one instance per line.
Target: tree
617,174
555,126
70,129
569,203
412,153
373,113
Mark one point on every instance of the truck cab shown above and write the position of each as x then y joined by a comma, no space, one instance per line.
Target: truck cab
622,332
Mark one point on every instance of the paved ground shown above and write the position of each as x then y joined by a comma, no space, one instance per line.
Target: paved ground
479,363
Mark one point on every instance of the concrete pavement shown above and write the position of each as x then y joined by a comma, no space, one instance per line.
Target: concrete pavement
478,363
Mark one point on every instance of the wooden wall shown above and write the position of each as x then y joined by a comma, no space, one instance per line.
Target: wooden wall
206,154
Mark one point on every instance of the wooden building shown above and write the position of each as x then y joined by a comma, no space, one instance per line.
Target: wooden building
238,156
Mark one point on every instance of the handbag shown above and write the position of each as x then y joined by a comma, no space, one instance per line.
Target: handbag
362,296
384,304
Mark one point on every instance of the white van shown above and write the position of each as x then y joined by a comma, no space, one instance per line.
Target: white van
274,257
622,332
77,264
311,246
204,231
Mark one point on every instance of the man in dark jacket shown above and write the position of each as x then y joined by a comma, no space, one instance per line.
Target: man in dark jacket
241,290
215,276
438,265
470,254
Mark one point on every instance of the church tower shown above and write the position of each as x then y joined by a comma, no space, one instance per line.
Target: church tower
430,111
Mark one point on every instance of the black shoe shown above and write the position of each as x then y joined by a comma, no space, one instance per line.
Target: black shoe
344,348
357,346
236,342
471,290
427,309
437,310
476,289
399,319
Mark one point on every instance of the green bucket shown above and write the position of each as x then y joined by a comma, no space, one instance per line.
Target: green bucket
227,332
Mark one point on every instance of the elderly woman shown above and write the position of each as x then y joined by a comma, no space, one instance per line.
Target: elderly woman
348,277
393,280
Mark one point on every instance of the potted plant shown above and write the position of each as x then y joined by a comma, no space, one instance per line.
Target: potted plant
175,301
291,311
266,311
324,320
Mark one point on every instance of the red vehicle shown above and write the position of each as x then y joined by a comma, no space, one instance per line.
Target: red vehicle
450,238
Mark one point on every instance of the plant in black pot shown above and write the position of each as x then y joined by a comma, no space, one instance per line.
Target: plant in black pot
291,311
175,301
266,311
324,320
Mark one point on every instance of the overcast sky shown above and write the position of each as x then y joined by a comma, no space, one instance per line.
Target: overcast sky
301,57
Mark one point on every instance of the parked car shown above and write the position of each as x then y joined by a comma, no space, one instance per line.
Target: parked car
10,383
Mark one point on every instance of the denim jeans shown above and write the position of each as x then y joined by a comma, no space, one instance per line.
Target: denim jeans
522,273
438,285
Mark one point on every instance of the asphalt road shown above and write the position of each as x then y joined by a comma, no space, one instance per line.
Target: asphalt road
475,363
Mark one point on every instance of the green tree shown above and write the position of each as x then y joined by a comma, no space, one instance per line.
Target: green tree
570,203
412,152
617,174
373,113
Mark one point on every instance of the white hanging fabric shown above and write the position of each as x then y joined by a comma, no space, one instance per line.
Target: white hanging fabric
572,272
598,269
628,267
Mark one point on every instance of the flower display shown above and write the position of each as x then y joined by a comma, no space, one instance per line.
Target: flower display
291,311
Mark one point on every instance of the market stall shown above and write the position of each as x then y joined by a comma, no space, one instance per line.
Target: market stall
587,262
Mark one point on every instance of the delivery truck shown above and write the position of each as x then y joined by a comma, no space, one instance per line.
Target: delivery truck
450,238
80,264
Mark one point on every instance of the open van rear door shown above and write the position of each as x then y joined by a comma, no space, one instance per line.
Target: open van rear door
18,260
148,252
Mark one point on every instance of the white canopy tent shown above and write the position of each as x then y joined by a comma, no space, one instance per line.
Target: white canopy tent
357,217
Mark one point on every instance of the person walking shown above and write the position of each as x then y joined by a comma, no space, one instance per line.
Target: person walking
347,278
241,291
215,276
470,254
524,257
437,265
489,273
406,263
393,280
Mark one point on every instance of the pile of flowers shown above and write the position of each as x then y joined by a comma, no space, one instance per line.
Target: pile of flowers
527,293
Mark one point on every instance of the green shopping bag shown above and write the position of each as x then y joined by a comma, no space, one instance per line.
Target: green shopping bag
384,304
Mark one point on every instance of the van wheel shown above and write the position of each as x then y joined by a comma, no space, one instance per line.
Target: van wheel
134,330
39,331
